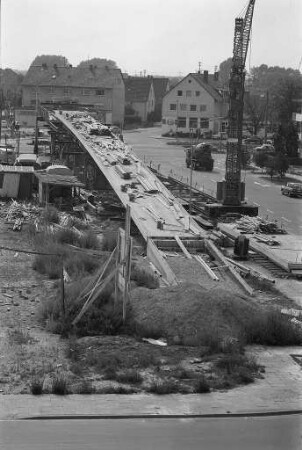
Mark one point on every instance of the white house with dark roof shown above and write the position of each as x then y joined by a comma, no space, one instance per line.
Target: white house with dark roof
99,88
197,102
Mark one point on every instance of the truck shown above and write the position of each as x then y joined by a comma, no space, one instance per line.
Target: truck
292,190
200,157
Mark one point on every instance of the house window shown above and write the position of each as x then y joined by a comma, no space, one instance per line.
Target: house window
86,91
1,180
183,107
100,92
188,93
193,108
179,93
204,123
193,122
66,91
172,106
203,108
197,93
181,122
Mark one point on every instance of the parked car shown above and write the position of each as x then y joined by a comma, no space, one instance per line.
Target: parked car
220,136
253,140
292,190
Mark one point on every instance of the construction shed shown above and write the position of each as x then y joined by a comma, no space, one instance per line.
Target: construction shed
16,181
60,190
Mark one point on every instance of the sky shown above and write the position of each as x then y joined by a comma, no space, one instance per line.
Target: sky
160,37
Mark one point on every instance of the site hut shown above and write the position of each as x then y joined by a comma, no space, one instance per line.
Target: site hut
58,189
100,89
198,102
16,182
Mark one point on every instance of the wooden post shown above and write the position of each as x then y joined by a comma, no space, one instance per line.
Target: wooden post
127,260
63,290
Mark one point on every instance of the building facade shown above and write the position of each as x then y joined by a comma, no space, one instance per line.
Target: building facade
139,97
197,103
101,89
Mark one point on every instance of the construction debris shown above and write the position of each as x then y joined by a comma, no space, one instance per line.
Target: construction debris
252,225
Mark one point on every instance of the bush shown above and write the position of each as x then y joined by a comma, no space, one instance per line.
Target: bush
36,386
201,386
89,240
272,328
50,215
59,385
232,363
144,278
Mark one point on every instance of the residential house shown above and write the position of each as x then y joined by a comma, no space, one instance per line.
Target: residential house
198,102
161,87
139,98
101,89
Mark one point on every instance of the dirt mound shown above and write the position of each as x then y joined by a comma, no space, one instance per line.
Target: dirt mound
187,312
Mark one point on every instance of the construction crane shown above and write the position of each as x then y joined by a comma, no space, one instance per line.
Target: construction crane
231,191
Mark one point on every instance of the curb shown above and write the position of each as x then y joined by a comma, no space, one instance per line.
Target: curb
164,416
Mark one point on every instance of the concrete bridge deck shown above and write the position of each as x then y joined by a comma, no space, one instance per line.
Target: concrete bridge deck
151,202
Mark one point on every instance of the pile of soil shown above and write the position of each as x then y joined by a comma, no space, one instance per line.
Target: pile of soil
186,311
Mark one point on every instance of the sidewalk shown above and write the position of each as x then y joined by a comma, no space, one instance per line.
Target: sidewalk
279,391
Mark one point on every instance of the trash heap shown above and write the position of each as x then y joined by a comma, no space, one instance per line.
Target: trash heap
17,213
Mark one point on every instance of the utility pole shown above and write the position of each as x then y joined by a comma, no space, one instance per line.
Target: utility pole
266,116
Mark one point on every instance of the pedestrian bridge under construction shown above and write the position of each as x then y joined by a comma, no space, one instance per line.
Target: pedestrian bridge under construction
98,158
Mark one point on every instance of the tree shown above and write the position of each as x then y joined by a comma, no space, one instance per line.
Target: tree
283,85
254,109
286,140
224,71
99,62
261,158
50,60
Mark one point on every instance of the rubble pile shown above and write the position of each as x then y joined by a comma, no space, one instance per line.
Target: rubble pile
25,211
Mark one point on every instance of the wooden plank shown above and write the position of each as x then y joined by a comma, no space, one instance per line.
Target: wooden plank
160,263
206,267
216,253
183,248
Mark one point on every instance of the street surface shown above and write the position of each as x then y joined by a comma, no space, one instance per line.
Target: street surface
260,190
248,433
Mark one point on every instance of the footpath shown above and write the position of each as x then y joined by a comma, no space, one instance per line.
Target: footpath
279,392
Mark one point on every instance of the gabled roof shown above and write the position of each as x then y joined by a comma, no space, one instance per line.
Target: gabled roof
104,77
213,86
160,85
137,89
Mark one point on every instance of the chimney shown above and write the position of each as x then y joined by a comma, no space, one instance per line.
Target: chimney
216,76
205,76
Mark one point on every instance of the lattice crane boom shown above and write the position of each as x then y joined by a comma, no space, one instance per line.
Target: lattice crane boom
233,188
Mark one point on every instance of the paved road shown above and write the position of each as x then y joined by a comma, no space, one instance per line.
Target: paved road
259,189
265,433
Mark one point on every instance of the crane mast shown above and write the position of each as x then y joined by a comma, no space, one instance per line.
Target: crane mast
232,188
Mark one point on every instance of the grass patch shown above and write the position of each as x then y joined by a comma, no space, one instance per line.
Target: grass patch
272,328
144,278
86,388
109,241
59,385
129,376
19,337
164,387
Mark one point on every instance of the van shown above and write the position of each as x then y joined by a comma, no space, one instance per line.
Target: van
28,159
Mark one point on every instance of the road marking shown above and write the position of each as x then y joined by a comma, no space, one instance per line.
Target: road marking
272,212
214,181
262,185
257,204
286,220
